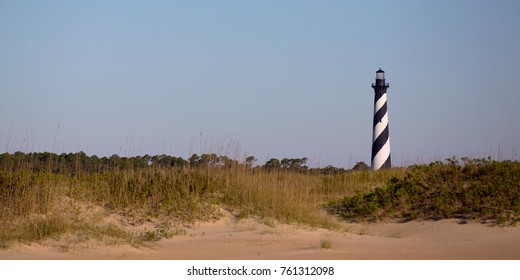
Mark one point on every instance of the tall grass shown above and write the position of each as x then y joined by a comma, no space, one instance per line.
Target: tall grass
23,193
292,197
30,198
38,203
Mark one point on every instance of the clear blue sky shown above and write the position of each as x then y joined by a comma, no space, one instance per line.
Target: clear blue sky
263,78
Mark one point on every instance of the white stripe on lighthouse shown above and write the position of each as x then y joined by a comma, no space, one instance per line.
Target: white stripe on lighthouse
380,103
382,156
378,129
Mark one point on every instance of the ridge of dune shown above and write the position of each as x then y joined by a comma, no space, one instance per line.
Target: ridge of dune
230,238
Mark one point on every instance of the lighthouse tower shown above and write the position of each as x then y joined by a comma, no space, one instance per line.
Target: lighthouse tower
381,136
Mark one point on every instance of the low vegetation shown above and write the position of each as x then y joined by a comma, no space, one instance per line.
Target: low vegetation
325,244
143,199
484,190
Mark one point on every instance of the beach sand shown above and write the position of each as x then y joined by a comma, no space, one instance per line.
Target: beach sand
246,239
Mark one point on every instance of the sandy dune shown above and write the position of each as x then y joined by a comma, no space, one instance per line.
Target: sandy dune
249,239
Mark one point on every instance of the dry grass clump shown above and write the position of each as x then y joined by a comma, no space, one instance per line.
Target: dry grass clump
326,244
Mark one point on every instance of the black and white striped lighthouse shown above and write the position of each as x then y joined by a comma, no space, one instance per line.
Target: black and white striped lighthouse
381,136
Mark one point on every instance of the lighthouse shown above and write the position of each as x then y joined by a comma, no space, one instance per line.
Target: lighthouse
381,135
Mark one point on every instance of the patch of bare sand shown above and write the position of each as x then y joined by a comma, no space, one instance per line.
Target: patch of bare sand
229,238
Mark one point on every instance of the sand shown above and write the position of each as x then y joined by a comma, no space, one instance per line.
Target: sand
229,238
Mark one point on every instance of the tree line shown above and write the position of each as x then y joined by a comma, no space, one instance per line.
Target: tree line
74,163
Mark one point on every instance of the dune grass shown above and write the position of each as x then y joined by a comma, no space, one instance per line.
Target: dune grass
39,204
292,197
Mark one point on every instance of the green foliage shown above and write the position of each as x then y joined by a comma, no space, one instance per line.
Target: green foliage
360,166
273,164
287,164
78,163
482,189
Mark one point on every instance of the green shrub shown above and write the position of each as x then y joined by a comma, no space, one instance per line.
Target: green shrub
482,189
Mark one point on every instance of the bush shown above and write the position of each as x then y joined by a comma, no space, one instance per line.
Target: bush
482,189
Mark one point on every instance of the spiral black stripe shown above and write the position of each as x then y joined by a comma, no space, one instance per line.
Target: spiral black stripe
379,142
380,114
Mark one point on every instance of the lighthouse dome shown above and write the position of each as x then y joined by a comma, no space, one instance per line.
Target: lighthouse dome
380,74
